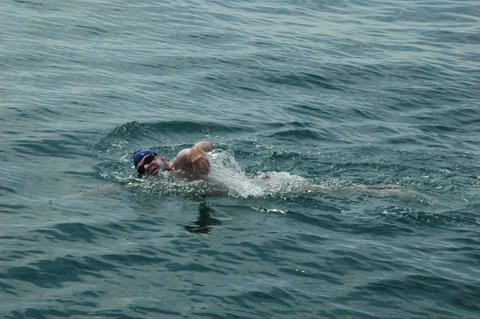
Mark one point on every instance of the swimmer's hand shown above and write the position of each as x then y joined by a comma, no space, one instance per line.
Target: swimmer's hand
206,146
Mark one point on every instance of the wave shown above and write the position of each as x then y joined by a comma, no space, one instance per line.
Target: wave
168,129
166,137
304,80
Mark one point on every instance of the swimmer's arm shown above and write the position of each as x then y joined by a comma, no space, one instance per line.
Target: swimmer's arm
187,157
193,162
180,162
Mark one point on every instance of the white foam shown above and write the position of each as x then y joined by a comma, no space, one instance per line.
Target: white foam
227,172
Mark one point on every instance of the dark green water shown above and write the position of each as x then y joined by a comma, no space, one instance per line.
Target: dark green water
365,116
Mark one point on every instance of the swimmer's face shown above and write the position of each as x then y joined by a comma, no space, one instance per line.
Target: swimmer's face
152,165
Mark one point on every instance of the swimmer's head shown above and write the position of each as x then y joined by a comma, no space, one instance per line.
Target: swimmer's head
148,162
140,154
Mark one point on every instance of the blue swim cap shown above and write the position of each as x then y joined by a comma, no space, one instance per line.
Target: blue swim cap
138,155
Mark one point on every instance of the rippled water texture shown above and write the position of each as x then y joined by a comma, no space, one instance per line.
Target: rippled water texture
345,177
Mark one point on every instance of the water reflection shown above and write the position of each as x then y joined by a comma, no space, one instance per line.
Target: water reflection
204,221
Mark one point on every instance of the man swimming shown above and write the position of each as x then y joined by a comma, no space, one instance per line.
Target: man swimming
191,163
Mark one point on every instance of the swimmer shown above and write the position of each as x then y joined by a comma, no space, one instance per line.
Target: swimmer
224,177
191,163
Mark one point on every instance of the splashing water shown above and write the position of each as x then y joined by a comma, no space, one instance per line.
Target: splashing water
227,172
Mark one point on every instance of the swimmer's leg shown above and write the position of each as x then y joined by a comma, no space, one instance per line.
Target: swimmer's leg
381,191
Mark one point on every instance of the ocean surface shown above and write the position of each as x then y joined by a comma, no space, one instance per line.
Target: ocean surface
345,178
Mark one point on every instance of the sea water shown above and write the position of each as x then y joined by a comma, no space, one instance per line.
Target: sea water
345,173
